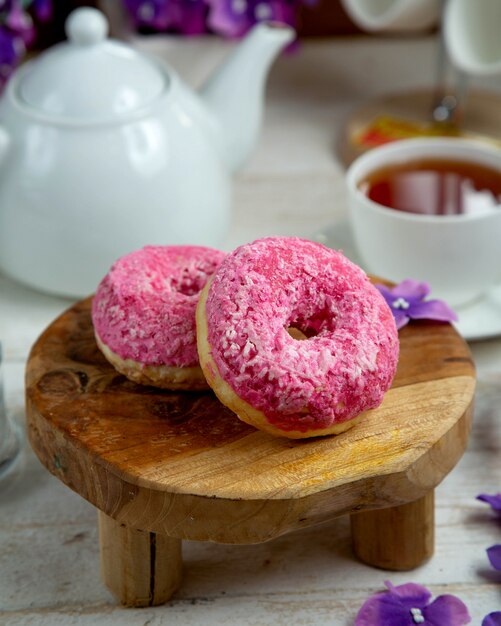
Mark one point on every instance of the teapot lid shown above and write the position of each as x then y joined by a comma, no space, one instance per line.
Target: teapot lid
90,77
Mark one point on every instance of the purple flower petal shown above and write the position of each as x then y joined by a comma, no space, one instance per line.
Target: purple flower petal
494,554
233,18
410,595
12,50
189,16
406,301
185,16
400,315
407,605
446,610
401,318
43,9
411,290
229,18
155,14
385,291
431,310
493,619
383,609
395,301
278,11
18,20
494,501
20,23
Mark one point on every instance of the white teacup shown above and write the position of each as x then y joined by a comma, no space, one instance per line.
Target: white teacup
393,15
459,255
472,35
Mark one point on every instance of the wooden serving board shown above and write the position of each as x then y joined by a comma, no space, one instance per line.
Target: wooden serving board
173,466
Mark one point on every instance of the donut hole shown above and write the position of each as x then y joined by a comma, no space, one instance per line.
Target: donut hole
188,285
300,334
185,288
308,324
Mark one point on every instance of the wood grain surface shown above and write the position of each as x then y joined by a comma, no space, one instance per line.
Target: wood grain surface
183,465
139,567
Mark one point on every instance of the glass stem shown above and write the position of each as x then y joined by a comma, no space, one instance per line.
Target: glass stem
448,104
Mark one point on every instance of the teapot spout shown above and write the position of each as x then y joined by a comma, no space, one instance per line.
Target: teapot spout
235,93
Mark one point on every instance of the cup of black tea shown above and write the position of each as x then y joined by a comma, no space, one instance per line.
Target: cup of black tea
430,209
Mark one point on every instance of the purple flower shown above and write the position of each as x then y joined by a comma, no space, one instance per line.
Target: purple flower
494,501
230,18
12,49
20,22
43,9
409,604
494,552
155,14
494,555
407,301
233,18
493,619
185,16
17,31
189,17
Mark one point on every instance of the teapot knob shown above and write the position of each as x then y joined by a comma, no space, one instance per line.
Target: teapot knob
86,26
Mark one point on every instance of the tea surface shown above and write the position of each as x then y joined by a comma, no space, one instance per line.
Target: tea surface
435,187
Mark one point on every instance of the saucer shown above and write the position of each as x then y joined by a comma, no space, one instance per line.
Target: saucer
479,320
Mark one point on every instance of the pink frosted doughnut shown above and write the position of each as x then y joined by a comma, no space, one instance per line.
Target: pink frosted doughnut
144,314
296,388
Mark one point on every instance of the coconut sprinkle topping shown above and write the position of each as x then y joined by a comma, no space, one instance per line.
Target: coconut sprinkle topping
144,308
348,356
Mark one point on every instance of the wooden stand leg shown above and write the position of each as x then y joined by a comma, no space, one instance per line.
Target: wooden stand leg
140,568
397,538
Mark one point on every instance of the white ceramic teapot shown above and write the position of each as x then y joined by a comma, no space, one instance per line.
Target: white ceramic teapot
104,150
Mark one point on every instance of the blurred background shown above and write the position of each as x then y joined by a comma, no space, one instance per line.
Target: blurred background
30,25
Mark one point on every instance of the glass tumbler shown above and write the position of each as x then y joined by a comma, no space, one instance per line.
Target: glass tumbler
10,440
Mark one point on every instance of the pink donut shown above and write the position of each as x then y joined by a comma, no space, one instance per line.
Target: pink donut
296,388
144,314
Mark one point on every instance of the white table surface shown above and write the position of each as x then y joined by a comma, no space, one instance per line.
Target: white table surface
49,562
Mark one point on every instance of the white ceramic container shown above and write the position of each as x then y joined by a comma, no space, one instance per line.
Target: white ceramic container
459,255
104,150
393,15
472,35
